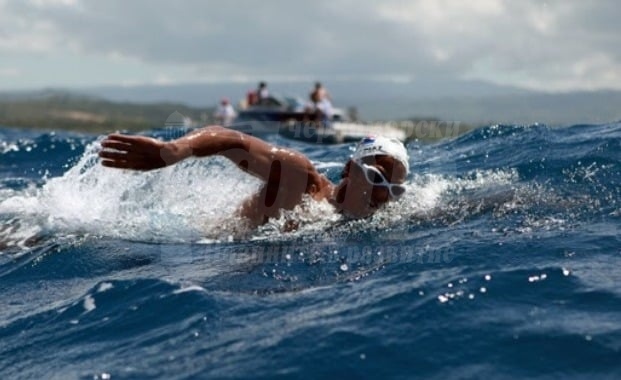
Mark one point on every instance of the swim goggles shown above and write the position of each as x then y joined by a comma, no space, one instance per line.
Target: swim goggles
376,178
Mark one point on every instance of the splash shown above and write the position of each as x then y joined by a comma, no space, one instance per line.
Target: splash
175,204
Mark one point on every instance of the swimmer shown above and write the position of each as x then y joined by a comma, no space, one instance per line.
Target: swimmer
373,176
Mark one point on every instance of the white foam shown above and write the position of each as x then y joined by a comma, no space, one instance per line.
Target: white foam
89,304
6,147
425,193
191,288
178,203
104,286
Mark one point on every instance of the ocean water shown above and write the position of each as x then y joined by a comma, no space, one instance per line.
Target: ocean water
503,260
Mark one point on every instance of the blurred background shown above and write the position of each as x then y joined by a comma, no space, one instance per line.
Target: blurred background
105,65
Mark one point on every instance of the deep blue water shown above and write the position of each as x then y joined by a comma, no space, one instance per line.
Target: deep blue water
503,260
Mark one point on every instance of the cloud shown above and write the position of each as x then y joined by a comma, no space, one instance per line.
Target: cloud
552,45
9,72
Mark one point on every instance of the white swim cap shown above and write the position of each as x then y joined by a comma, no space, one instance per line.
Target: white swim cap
374,146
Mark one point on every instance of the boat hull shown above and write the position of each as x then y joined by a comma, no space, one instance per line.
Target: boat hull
302,126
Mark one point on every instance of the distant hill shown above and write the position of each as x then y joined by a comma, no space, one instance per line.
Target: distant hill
54,109
547,108
473,102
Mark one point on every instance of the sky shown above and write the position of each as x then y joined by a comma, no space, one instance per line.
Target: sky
560,45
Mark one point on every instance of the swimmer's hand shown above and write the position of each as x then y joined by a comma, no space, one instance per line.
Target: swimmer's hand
137,152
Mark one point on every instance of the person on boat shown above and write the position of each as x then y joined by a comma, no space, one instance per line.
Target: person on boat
225,113
251,98
319,93
262,93
324,111
321,105
258,96
373,176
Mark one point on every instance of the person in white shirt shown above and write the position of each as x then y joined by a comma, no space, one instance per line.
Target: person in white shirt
225,113
321,105
262,93
325,111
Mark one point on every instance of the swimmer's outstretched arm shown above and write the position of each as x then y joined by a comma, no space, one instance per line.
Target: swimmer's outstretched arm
249,153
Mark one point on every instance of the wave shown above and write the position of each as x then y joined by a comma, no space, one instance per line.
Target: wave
496,169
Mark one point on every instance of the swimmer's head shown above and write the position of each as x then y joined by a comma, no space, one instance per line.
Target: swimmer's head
382,146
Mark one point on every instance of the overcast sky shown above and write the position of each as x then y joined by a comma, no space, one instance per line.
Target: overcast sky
546,45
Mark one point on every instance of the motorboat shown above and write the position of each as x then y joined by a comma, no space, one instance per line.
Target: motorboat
290,117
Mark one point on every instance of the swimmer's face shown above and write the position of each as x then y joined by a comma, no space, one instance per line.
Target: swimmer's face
366,184
380,174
